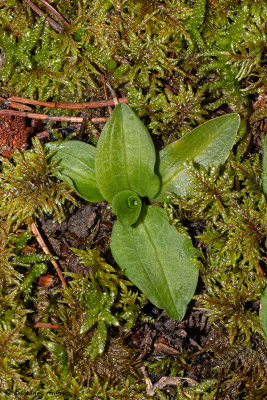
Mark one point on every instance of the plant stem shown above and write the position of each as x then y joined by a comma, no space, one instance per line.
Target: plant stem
45,249
59,28
55,12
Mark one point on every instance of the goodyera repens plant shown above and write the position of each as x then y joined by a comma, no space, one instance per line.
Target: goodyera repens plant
123,169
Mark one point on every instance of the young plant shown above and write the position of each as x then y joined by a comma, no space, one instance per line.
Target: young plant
125,171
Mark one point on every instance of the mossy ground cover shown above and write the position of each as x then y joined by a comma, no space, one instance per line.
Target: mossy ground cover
179,63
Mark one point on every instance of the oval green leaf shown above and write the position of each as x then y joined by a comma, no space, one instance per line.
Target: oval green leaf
77,167
207,145
158,259
127,206
125,156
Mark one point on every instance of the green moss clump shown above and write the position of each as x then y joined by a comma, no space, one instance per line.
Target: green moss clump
176,60
27,180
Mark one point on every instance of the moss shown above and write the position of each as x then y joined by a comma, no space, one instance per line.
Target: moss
180,63
26,179
203,54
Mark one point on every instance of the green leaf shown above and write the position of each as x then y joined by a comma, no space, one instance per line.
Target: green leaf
263,312
158,259
264,167
77,167
207,145
125,156
127,205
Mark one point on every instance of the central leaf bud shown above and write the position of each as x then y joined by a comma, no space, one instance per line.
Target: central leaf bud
127,206
133,203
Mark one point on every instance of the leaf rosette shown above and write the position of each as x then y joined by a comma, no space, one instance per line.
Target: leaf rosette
158,259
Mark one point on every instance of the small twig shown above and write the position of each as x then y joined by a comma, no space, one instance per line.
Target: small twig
195,344
115,99
13,104
164,381
99,120
46,325
90,104
45,249
163,348
33,102
59,28
106,92
147,380
169,380
45,117
55,12
45,134
42,135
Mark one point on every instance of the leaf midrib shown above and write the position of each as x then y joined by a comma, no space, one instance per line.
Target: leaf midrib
126,161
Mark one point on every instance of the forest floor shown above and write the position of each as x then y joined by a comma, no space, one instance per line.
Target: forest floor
218,350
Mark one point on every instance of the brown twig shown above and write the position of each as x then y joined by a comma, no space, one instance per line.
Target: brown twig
13,104
59,28
45,249
169,380
99,120
33,102
45,134
55,12
45,117
147,380
45,325
164,381
42,135
90,104
163,348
